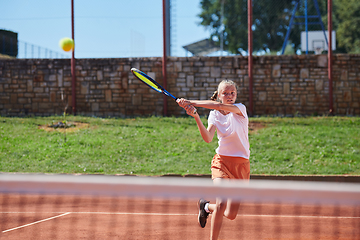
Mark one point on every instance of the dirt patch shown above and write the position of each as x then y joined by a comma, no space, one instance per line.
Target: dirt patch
255,126
62,127
75,126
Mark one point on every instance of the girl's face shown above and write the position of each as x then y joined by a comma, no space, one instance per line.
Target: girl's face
227,93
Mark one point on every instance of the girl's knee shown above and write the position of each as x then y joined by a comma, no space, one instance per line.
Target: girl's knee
232,211
220,206
231,216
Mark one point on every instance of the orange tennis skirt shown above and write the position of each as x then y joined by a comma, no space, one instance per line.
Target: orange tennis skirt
230,167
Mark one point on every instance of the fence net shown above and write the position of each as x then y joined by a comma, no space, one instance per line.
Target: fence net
126,207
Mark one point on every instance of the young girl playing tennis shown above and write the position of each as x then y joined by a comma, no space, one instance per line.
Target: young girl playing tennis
231,160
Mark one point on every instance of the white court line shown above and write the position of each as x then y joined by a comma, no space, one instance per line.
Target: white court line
193,214
181,214
111,213
47,219
294,216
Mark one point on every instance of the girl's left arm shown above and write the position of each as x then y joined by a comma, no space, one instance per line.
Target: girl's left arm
209,104
206,133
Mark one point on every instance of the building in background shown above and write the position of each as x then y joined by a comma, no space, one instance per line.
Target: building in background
8,43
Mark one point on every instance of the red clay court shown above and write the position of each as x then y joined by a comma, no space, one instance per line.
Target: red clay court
147,217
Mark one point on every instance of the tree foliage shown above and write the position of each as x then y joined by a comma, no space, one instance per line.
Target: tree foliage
347,15
271,20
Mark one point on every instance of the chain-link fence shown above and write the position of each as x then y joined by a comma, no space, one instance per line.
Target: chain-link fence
11,47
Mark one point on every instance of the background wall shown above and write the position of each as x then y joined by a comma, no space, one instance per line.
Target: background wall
283,85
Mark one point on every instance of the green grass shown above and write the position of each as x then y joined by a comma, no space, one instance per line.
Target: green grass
156,146
307,146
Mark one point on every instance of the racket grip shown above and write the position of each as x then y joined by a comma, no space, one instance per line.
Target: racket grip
195,110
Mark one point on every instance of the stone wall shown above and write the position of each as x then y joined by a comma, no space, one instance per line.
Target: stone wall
282,85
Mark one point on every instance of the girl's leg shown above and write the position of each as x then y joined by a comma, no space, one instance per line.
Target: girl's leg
222,208
217,210
232,209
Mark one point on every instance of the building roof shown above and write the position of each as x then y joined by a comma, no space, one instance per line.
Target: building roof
202,48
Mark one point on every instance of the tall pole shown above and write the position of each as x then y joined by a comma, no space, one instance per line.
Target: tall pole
331,107
222,28
164,56
73,77
250,58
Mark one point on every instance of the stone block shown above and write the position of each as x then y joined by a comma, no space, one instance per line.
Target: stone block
45,105
322,61
99,75
286,88
304,73
84,88
344,75
215,72
303,100
125,83
190,81
136,99
262,96
178,66
276,71
29,86
108,96
38,90
13,98
347,96
319,85
23,100
95,107
52,96
38,78
52,78
60,77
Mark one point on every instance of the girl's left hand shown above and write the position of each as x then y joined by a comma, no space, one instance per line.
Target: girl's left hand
190,110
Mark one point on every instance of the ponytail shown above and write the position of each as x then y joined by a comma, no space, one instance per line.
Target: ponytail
214,96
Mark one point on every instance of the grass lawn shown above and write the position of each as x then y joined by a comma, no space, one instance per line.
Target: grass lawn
158,145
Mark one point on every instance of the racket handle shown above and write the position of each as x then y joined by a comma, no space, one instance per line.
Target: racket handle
195,110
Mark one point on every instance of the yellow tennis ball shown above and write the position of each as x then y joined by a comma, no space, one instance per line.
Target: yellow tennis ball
66,44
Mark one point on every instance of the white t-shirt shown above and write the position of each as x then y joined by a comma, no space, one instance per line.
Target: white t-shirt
232,132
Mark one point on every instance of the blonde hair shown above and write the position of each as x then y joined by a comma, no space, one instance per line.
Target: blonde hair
214,97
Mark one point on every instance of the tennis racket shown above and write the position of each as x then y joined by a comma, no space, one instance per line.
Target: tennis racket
152,83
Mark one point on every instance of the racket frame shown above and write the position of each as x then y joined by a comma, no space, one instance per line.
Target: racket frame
162,90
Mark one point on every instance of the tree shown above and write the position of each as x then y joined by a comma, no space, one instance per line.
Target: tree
270,22
347,15
235,22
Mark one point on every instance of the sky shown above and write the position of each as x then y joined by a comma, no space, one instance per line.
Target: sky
103,28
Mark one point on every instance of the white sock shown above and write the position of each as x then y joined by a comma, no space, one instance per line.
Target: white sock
207,207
